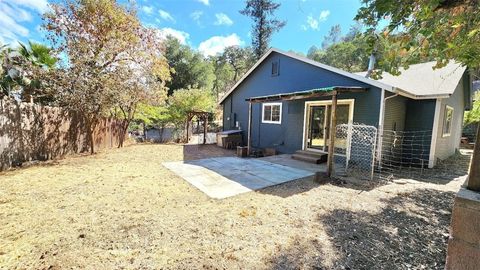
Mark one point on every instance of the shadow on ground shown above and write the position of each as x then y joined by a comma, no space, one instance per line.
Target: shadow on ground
410,232
291,188
199,151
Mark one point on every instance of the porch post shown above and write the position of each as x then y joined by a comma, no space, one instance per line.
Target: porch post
333,129
249,139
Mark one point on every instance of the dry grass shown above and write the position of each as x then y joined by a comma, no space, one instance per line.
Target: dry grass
123,209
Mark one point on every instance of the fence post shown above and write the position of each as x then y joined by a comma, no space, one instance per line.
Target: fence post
349,143
373,152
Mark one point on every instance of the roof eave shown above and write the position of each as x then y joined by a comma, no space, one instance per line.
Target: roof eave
407,94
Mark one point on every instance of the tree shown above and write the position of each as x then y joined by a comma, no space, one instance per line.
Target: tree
333,37
101,41
189,68
41,61
262,12
186,100
473,116
142,80
240,59
442,29
153,115
351,55
224,75
22,70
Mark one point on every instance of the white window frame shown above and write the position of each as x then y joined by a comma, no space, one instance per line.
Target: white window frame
263,113
445,121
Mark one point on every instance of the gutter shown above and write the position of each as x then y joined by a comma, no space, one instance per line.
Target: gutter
404,93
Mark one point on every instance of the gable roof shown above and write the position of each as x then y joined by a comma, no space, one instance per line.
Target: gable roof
421,82
311,62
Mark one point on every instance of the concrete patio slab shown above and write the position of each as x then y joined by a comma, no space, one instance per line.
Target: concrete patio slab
224,177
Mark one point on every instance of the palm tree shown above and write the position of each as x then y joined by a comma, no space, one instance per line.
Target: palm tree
20,68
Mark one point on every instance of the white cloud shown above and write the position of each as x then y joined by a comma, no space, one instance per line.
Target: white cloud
223,19
147,9
324,15
314,22
180,35
217,44
38,5
196,15
205,2
165,15
13,14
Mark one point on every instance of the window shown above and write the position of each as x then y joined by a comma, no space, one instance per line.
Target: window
447,121
272,113
275,68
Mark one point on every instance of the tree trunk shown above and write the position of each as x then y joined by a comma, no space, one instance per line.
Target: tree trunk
123,132
91,124
474,174
91,139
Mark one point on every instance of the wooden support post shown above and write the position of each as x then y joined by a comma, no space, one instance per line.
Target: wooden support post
474,174
333,129
205,123
249,136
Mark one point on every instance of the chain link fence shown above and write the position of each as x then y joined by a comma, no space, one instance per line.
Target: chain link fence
355,146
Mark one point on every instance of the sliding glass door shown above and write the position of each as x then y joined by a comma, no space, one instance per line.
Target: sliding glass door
317,129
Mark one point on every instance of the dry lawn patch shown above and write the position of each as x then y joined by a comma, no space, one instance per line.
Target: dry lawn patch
123,209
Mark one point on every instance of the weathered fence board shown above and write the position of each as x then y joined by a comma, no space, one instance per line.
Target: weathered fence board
34,132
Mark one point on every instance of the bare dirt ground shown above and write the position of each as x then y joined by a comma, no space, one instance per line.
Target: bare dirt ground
123,209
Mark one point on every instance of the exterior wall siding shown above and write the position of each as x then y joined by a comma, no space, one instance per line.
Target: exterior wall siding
395,112
394,121
446,146
294,75
418,126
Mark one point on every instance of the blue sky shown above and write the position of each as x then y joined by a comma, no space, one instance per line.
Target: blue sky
206,25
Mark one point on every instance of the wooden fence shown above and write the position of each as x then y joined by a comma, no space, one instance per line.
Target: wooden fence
33,132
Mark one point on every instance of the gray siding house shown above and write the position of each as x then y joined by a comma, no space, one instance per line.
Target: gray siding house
420,99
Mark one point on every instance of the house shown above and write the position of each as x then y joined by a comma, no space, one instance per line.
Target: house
290,97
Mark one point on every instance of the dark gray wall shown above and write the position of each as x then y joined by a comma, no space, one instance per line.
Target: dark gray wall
418,127
294,75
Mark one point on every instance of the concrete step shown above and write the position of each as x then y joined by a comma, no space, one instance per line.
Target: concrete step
311,157
310,153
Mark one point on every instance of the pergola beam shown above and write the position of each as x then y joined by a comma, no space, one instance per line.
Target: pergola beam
315,93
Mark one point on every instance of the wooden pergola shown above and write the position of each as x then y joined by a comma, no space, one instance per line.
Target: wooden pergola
332,91
202,116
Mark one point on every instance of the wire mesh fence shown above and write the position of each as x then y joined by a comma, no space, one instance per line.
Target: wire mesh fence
404,154
355,146
363,152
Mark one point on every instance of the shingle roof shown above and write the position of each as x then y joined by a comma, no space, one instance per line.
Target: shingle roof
421,80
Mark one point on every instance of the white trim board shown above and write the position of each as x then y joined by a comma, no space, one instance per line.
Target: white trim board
433,143
351,110
279,122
